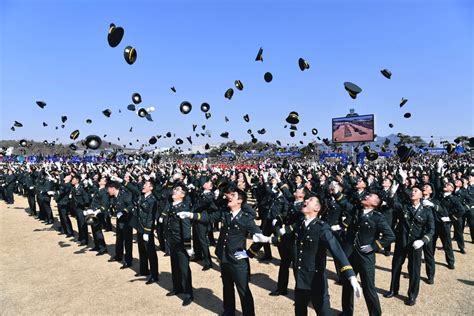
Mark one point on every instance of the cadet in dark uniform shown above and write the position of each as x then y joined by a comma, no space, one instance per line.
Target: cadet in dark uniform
287,244
146,213
80,202
99,206
313,238
30,185
9,186
230,250
63,203
442,229
46,192
121,205
415,228
367,233
385,208
179,237
204,203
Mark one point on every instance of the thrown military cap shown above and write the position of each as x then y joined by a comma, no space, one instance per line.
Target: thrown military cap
130,54
372,155
403,101
72,147
136,98
23,143
45,124
64,118
292,134
62,126
386,73
261,131
404,153
238,84
74,135
205,107
207,147
303,64
293,128
45,142
107,112
293,118
148,117
41,104
173,89
93,142
185,107
131,107
254,140
450,148
390,125
168,134
259,55
17,124
249,131
208,115
189,140
115,35
226,119
268,77
314,131
278,143
194,127
88,121
225,135
407,115
353,89
229,93
326,142
142,112
246,118
203,127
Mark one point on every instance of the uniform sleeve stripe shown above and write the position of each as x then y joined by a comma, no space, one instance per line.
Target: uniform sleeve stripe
379,244
345,268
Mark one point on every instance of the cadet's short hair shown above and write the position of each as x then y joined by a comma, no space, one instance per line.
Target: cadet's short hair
242,195
113,184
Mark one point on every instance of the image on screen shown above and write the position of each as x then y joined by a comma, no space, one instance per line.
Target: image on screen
353,129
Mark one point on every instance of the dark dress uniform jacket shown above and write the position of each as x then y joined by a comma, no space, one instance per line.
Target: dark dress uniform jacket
366,230
312,243
101,200
146,213
413,224
122,204
233,233
62,198
80,198
178,230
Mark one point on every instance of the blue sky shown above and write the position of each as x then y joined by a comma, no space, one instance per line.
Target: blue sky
57,51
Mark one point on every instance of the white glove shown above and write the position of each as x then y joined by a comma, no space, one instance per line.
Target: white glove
160,220
394,188
50,192
239,255
119,214
31,188
402,173
184,215
116,179
439,165
335,227
190,252
366,248
261,238
145,237
96,212
216,193
355,286
417,244
85,213
446,219
427,203
384,203
282,231
274,221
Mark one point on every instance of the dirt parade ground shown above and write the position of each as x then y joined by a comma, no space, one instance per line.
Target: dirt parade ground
43,273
